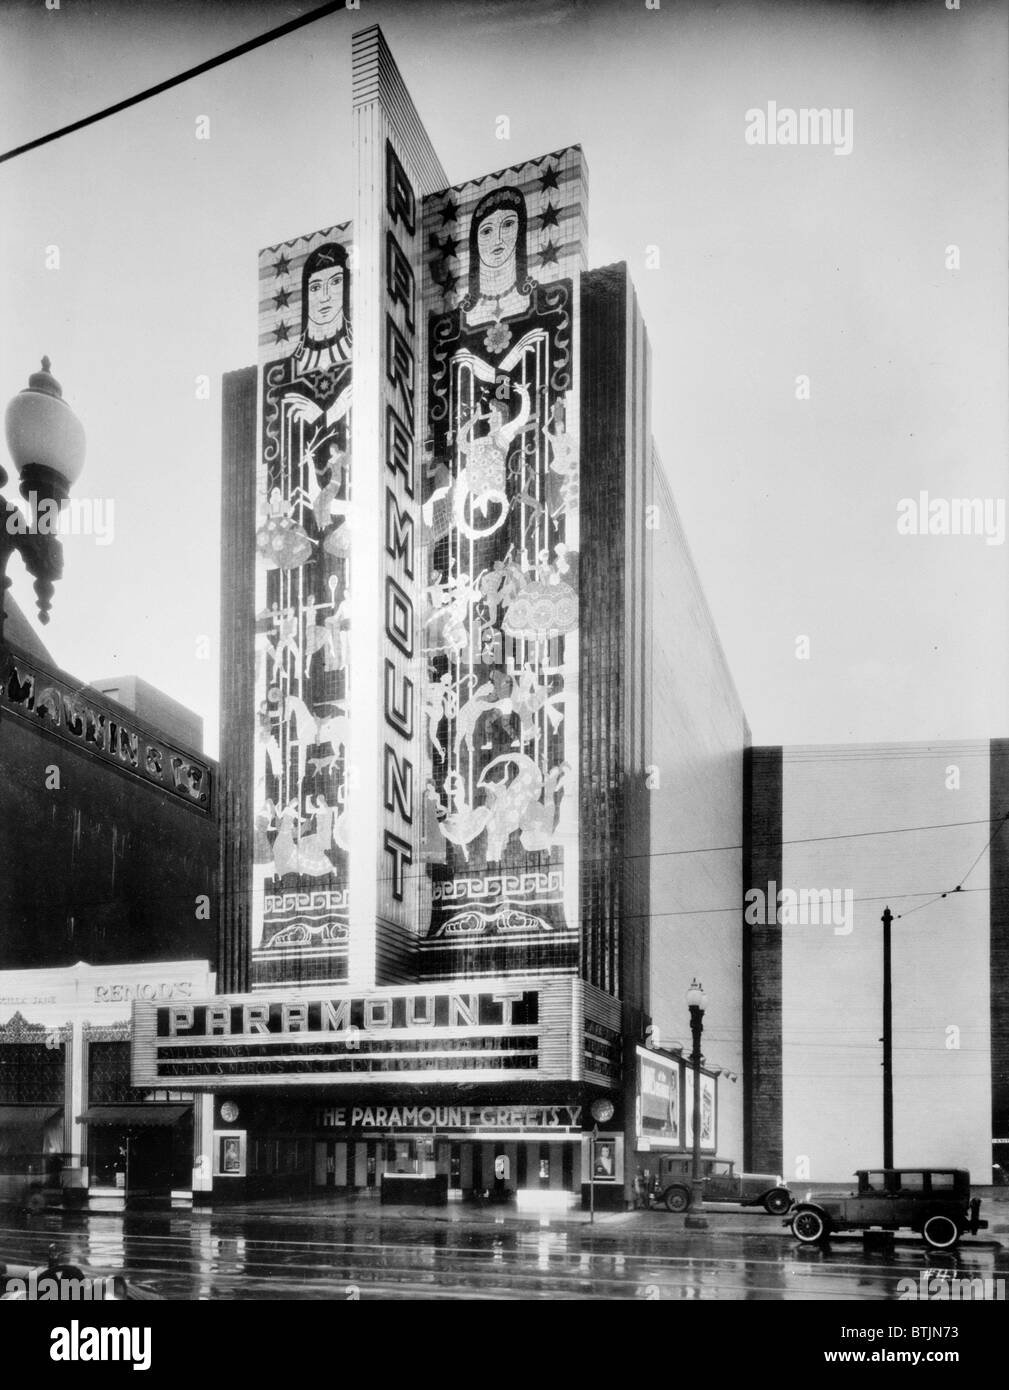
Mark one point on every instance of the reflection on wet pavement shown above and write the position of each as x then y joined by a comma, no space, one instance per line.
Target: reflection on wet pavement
229,1255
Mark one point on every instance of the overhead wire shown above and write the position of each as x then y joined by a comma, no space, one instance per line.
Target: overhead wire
207,66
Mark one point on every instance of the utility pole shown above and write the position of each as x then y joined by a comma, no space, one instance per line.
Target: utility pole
887,1041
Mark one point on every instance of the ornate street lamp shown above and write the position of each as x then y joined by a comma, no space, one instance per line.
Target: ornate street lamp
46,443
697,1002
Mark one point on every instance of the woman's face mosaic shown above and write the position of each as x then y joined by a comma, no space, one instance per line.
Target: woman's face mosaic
496,237
325,298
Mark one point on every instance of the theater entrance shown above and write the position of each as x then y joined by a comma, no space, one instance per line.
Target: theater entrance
482,1167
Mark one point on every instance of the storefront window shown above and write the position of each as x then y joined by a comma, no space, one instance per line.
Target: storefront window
31,1073
109,1074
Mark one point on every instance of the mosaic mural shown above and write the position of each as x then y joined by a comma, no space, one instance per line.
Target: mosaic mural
300,899
500,609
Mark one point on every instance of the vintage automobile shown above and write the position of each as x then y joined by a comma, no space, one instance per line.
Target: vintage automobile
935,1202
721,1184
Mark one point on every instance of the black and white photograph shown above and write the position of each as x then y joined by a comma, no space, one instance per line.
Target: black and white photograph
504,679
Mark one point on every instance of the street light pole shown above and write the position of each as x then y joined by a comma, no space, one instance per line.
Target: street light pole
592,1174
887,1041
46,443
696,1001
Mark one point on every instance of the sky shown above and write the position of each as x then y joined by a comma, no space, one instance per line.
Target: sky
756,266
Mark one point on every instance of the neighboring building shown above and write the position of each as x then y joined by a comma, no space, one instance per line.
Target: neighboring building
893,825
108,844
474,709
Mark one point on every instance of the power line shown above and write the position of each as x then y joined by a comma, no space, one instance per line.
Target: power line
959,887
169,83
817,839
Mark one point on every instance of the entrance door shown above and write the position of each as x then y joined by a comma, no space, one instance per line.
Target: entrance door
149,1162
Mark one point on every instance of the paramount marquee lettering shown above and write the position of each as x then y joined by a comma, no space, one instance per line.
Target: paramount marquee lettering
451,1117
39,696
400,525
362,1017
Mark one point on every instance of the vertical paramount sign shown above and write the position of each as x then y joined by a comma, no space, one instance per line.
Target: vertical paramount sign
417,609
395,167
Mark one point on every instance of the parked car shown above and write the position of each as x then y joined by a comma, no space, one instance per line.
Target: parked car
672,1187
935,1202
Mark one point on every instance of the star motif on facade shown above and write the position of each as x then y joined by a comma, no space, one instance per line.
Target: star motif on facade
548,179
450,212
449,247
280,333
549,216
548,256
282,266
449,283
282,299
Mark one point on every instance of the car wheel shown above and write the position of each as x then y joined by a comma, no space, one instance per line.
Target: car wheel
941,1231
778,1201
809,1227
677,1199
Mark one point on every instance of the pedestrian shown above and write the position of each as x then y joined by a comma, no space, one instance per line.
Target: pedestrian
641,1190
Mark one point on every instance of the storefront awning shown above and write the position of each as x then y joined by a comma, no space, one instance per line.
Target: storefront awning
27,1117
134,1116
23,1127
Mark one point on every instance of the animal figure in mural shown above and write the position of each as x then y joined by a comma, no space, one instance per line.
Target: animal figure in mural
333,729
517,804
463,823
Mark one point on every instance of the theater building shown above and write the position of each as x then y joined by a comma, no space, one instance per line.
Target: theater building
472,700
108,841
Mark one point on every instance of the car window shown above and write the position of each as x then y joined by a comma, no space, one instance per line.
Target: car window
912,1182
943,1182
874,1182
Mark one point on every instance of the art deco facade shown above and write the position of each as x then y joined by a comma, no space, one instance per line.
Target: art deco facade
456,739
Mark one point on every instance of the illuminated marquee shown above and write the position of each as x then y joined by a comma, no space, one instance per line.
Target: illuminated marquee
508,1028
302,768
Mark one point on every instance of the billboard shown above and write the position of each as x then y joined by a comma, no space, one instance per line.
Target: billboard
499,622
300,900
658,1106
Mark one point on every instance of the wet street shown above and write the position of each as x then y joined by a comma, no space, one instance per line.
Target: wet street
309,1252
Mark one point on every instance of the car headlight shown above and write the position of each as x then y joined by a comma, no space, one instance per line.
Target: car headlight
778,1181
808,1197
